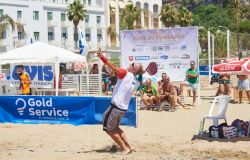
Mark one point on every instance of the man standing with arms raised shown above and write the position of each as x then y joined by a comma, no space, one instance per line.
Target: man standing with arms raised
127,83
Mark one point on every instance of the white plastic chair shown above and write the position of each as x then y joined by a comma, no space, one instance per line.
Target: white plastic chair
222,103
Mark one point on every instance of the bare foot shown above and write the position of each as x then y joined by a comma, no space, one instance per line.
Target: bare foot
160,109
126,152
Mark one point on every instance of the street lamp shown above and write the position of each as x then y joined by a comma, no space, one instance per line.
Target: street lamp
228,38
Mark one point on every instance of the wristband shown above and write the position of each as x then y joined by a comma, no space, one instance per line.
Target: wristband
103,58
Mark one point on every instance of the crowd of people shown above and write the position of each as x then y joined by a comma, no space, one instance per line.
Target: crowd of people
154,94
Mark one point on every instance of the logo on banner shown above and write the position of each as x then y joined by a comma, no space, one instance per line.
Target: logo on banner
155,57
185,56
142,57
175,57
166,48
131,58
43,108
164,57
175,65
21,105
183,47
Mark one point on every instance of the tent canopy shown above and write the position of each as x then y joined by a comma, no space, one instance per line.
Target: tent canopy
40,53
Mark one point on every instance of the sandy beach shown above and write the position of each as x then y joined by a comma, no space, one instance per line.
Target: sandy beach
160,135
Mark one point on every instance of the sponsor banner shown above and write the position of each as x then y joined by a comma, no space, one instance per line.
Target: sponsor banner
172,49
102,103
59,110
41,75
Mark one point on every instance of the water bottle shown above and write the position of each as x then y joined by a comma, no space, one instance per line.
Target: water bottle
201,129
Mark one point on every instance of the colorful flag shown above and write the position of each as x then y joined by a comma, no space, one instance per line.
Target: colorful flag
83,46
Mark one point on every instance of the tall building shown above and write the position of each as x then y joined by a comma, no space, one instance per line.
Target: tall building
46,21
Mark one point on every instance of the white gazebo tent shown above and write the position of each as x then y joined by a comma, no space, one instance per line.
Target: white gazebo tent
41,53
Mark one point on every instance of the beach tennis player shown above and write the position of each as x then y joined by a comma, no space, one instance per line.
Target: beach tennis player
127,83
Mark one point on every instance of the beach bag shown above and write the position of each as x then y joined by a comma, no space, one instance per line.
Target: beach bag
228,132
213,132
241,126
216,131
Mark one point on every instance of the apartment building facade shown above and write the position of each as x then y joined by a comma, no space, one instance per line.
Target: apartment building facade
47,21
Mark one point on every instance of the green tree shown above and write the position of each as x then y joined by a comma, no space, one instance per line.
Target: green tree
184,17
236,11
76,13
129,16
7,20
169,15
211,16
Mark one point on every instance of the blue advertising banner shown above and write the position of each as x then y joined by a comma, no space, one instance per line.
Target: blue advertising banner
59,110
102,104
47,109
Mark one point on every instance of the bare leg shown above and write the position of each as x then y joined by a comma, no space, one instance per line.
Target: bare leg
171,101
248,96
125,140
158,100
151,101
181,88
240,96
115,135
194,97
179,102
144,100
221,89
227,89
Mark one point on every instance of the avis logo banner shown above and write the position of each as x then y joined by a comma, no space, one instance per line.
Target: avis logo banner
41,75
47,109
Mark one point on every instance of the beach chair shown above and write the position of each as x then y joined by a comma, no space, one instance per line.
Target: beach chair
222,103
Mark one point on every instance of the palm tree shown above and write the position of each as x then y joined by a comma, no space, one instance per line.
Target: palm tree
184,17
75,14
169,15
236,9
129,16
7,20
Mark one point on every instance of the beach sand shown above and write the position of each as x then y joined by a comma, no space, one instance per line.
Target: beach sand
160,135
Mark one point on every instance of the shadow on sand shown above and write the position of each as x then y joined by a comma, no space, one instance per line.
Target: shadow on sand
206,137
108,149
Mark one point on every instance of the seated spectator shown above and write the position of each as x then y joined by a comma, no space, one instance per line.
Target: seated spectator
105,79
94,69
150,95
167,91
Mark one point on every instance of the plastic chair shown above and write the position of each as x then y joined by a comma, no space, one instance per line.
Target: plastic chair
223,103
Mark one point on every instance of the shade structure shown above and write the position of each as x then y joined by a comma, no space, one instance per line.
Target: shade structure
41,53
233,66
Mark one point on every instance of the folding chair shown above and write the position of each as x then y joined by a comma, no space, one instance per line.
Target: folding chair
222,103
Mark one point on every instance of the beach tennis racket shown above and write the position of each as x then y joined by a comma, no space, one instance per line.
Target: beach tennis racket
152,68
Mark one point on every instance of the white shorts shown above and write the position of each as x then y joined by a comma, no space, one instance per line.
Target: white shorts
243,85
193,86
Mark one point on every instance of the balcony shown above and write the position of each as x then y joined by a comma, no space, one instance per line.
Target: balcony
51,23
4,42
